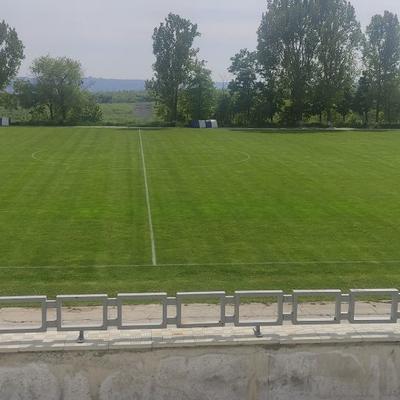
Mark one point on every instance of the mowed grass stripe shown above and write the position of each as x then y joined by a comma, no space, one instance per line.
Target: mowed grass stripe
239,264
79,209
302,199
54,281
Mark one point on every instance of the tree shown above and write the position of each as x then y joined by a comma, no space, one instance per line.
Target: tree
267,103
224,108
28,98
255,98
86,109
26,93
316,106
345,102
287,43
172,47
382,60
363,99
8,101
244,87
57,88
11,54
198,96
57,85
339,38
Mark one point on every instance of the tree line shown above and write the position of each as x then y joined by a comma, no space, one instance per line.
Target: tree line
313,64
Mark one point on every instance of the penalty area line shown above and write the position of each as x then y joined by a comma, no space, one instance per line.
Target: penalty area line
147,195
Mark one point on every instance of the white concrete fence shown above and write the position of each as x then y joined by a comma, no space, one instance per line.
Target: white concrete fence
342,307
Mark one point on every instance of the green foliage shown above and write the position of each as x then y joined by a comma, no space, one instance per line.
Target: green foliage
11,54
58,85
8,101
287,44
104,97
86,110
224,108
125,96
26,93
340,36
345,102
307,49
363,99
307,68
255,100
172,47
9,107
382,62
55,94
244,86
198,96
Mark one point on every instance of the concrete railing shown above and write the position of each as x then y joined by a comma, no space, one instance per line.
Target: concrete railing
277,300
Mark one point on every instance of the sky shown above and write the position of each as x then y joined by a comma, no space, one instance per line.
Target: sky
112,39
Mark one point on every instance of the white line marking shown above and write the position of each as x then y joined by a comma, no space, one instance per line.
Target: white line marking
146,186
238,264
35,157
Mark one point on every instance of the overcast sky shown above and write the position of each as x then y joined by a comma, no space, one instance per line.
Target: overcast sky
112,38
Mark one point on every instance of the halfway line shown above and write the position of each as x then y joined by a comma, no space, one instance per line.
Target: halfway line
146,186
232,264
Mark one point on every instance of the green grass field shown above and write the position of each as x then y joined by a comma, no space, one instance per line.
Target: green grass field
124,114
120,114
229,210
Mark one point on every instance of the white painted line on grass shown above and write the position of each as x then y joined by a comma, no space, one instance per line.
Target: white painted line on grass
146,186
238,264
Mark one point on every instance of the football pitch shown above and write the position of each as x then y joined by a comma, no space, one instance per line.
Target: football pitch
92,210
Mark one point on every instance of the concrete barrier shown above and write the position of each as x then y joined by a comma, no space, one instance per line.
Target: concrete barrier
255,372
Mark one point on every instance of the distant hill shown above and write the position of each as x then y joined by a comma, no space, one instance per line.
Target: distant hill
95,85
113,85
116,85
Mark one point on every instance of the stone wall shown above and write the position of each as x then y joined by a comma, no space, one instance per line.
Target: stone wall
352,371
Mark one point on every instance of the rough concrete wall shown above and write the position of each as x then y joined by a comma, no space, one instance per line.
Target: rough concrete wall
301,372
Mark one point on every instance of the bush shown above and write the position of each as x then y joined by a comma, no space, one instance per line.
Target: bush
86,110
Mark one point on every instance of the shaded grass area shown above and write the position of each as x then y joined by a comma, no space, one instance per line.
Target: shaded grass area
73,198
73,280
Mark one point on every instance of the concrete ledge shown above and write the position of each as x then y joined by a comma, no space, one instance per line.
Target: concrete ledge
199,337
347,362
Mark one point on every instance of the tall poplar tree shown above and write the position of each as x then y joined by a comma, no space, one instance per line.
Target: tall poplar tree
339,39
11,54
174,52
287,44
244,86
382,61
198,96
